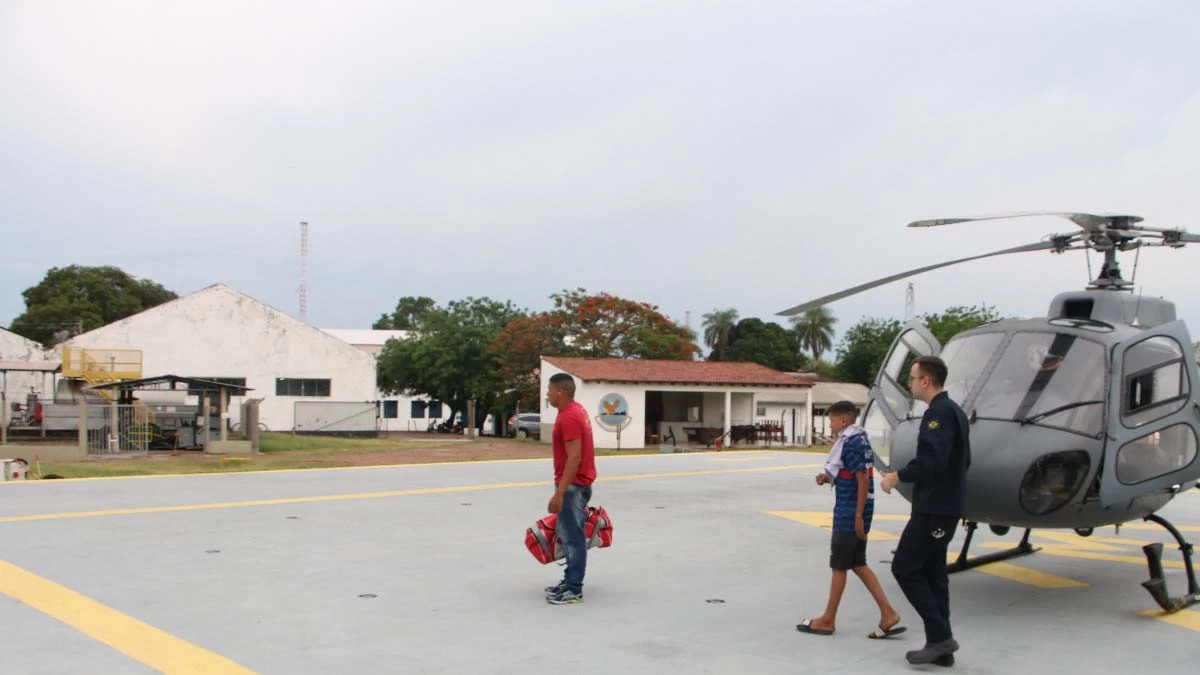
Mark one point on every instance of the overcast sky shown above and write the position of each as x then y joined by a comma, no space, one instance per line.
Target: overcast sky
694,155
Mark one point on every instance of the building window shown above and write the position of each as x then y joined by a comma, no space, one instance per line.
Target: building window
233,381
391,409
416,410
286,386
435,410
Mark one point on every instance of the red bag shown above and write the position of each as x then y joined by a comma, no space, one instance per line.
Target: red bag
543,542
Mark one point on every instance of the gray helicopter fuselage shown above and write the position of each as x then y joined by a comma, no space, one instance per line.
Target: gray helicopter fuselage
1051,444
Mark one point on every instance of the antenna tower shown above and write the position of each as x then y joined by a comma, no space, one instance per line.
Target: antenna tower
910,303
303,271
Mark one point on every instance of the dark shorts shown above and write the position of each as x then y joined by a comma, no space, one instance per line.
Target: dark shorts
847,551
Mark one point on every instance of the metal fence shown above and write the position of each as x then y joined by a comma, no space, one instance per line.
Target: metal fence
120,429
334,417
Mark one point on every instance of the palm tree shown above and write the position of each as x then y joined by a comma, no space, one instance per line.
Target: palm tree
718,324
814,330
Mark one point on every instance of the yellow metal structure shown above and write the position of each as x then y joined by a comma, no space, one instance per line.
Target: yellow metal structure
103,366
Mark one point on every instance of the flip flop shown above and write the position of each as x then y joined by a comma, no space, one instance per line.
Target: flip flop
805,626
880,634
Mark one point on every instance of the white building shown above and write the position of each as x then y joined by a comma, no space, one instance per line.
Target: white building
220,334
24,367
826,394
655,402
368,340
398,413
24,370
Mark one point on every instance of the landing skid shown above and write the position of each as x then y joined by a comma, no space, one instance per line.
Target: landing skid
1157,585
964,563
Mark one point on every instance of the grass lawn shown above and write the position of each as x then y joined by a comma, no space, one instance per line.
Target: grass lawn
277,451
284,451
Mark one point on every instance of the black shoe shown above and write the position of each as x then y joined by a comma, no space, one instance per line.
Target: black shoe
931,653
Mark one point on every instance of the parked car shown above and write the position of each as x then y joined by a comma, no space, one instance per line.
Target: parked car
525,425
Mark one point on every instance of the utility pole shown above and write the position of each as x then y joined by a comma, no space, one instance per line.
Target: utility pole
303,271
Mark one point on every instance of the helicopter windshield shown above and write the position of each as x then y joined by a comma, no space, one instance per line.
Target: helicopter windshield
965,358
1049,379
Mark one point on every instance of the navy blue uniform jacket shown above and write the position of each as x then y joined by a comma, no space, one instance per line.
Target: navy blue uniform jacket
939,471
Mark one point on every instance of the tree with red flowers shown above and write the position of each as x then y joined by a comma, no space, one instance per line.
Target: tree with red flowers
596,326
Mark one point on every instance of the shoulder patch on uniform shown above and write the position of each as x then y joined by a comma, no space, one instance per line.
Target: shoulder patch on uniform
933,424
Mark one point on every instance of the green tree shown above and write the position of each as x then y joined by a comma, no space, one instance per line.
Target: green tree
864,347
718,326
581,324
866,344
75,299
955,320
814,331
408,313
450,359
765,343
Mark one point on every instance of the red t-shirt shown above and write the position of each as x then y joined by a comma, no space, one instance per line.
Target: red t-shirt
572,424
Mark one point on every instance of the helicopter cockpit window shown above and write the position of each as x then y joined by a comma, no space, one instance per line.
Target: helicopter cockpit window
894,379
1156,454
1155,381
966,358
1048,379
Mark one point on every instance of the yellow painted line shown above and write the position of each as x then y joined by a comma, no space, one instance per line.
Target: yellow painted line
375,495
1023,575
703,472
998,569
824,520
1076,541
139,641
1117,541
1184,618
738,459
783,453
1070,552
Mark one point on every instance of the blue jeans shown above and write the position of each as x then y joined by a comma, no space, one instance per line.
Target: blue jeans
571,531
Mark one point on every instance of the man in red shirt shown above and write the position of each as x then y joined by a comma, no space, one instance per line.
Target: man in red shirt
574,472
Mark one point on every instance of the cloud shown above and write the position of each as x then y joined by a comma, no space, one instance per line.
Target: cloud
694,155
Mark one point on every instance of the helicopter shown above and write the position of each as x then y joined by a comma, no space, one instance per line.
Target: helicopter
1086,417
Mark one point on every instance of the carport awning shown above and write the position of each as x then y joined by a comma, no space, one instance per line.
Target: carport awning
168,382
30,366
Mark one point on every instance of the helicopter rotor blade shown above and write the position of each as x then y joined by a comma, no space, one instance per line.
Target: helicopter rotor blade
1038,246
1087,221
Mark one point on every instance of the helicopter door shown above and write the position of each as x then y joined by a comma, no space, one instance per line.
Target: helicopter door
890,402
1153,414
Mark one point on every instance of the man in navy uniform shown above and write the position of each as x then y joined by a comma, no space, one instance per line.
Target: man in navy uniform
938,477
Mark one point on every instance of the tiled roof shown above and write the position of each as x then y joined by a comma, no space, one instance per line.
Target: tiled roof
646,371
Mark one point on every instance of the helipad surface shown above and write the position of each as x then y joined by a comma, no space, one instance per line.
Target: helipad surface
423,569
